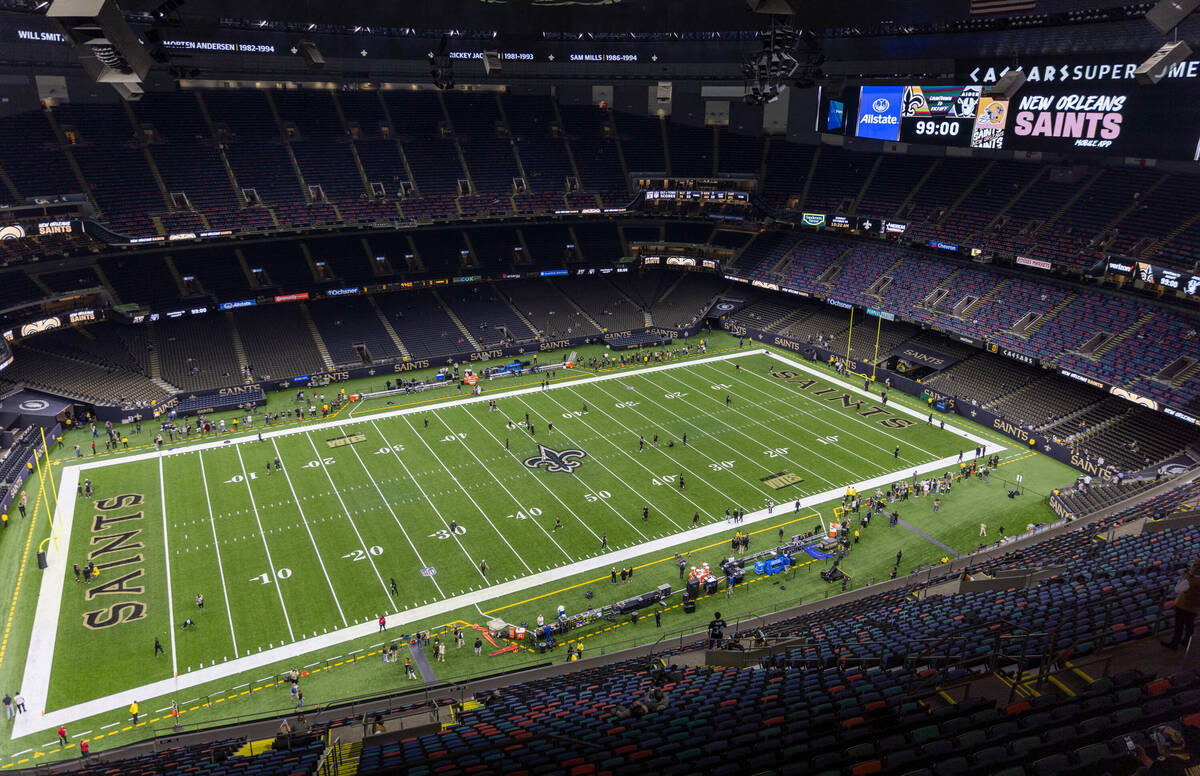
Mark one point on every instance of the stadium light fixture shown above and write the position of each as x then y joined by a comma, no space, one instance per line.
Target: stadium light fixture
312,55
1166,15
106,46
789,54
441,67
1153,69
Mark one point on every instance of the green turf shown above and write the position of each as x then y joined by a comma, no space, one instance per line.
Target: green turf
397,490
314,548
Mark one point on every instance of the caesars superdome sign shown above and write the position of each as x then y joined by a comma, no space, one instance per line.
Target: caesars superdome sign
1092,105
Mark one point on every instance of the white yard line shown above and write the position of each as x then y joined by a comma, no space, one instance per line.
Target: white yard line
162,492
346,511
705,435
220,443
592,490
217,546
521,507
470,498
537,479
791,440
810,398
308,529
395,517
436,511
31,723
824,421
36,680
639,494
263,534
701,478
898,407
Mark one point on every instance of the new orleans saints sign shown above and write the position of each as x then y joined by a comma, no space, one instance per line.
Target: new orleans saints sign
565,461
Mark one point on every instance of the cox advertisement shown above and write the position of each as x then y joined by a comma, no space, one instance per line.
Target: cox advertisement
879,112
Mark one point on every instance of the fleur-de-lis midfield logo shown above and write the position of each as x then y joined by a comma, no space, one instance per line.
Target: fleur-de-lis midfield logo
556,460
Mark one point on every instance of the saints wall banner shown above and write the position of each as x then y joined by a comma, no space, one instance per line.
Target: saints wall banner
727,305
922,356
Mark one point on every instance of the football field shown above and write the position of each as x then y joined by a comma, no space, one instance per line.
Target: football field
411,513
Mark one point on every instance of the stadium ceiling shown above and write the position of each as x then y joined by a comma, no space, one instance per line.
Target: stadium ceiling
534,16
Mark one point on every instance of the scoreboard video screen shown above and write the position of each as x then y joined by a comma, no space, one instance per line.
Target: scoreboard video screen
933,115
1073,117
944,115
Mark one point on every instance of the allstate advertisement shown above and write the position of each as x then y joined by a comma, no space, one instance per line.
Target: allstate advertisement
879,112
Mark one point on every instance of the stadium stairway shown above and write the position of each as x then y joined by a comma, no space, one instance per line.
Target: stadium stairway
903,207
661,299
866,184
1157,245
583,313
457,321
239,349
387,326
623,294
343,761
252,748
504,298
998,215
1046,228
1121,336
786,260
1054,311
316,335
1186,375
996,289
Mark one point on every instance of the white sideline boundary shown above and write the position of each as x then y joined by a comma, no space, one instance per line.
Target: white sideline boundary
39,661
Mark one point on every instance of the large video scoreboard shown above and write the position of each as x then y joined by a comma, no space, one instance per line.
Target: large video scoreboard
1062,108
